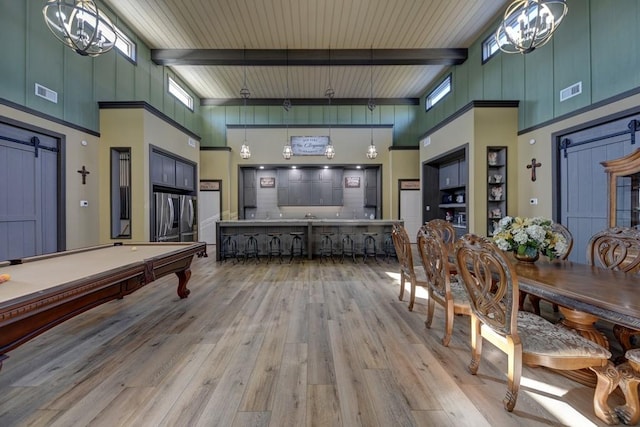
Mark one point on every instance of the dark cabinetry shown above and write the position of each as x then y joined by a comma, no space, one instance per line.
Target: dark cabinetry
371,187
249,177
496,186
445,193
170,172
309,187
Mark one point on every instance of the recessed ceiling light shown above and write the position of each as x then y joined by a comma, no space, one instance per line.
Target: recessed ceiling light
261,167
358,167
326,167
293,167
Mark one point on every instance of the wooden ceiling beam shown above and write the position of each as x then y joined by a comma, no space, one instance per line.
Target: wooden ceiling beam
308,57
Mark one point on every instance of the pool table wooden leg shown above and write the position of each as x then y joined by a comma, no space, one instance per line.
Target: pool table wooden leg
3,357
183,277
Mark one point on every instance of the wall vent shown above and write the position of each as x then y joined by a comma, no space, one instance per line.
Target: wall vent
571,91
46,93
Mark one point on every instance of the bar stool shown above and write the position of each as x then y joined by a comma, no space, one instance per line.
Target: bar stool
369,248
275,246
326,246
296,245
229,247
251,247
348,247
388,248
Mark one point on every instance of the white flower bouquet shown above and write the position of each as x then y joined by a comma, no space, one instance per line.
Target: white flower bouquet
529,237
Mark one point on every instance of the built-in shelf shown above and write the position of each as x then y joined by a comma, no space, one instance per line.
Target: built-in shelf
496,187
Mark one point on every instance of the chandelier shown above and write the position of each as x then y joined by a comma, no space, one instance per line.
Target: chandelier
372,153
529,24
80,25
245,152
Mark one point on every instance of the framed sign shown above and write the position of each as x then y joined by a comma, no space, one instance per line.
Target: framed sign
210,185
309,145
409,184
268,182
351,182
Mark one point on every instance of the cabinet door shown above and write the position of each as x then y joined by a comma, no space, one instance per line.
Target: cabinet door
250,190
337,175
283,196
156,167
185,175
283,178
462,173
371,187
449,175
321,193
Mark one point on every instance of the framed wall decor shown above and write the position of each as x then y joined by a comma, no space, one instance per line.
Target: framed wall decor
210,185
268,182
351,182
309,145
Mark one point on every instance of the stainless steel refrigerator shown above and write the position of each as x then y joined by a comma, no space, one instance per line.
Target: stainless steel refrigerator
188,219
166,217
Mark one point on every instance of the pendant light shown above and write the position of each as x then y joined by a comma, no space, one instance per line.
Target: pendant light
329,151
372,153
287,151
529,24
245,152
80,25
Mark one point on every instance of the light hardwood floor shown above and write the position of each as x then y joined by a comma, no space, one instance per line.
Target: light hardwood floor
272,345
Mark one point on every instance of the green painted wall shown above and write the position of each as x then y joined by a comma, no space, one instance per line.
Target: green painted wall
31,54
597,43
402,117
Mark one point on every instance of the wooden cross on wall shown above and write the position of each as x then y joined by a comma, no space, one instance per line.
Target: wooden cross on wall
84,173
533,167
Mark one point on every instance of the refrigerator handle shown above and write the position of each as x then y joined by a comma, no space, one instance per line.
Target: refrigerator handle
191,213
171,213
160,227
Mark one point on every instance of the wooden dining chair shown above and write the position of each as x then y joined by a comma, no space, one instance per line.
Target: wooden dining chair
443,287
617,248
447,234
534,299
402,245
492,287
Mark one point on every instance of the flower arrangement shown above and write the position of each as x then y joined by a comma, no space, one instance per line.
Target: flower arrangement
529,236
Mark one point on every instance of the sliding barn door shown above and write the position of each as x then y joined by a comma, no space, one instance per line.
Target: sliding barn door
583,196
28,193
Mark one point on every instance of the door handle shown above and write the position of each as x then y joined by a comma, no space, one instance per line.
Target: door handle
192,213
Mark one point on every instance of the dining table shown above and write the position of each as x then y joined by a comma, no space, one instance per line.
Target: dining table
585,294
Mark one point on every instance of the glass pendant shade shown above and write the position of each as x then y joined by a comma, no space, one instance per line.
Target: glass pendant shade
372,153
330,152
80,25
287,152
245,152
529,24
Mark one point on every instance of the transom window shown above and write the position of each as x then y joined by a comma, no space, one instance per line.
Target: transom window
126,46
489,48
178,91
439,92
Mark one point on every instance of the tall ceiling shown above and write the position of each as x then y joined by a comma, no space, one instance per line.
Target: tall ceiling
280,43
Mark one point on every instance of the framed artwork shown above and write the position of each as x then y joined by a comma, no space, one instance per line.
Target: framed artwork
409,184
309,145
268,182
210,185
351,182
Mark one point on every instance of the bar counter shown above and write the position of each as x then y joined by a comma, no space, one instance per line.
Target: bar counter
312,229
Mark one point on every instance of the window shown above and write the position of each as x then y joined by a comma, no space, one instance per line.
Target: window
176,90
120,193
489,48
439,92
126,46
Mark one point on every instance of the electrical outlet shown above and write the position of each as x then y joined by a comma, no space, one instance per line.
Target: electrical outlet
84,203
533,201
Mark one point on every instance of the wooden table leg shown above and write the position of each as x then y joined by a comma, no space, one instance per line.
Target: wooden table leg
582,323
629,413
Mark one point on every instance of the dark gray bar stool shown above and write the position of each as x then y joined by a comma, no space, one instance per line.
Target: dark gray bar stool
348,247
229,247
369,248
388,248
251,247
326,246
296,245
275,246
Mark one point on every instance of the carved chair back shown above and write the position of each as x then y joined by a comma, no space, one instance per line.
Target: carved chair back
434,256
444,230
564,231
616,248
491,283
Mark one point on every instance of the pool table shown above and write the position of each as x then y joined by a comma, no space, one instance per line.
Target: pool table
46,290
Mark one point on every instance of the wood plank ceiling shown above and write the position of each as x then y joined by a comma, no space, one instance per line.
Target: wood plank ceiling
323,25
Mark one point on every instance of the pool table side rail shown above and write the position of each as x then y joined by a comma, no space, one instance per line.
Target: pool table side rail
27,317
